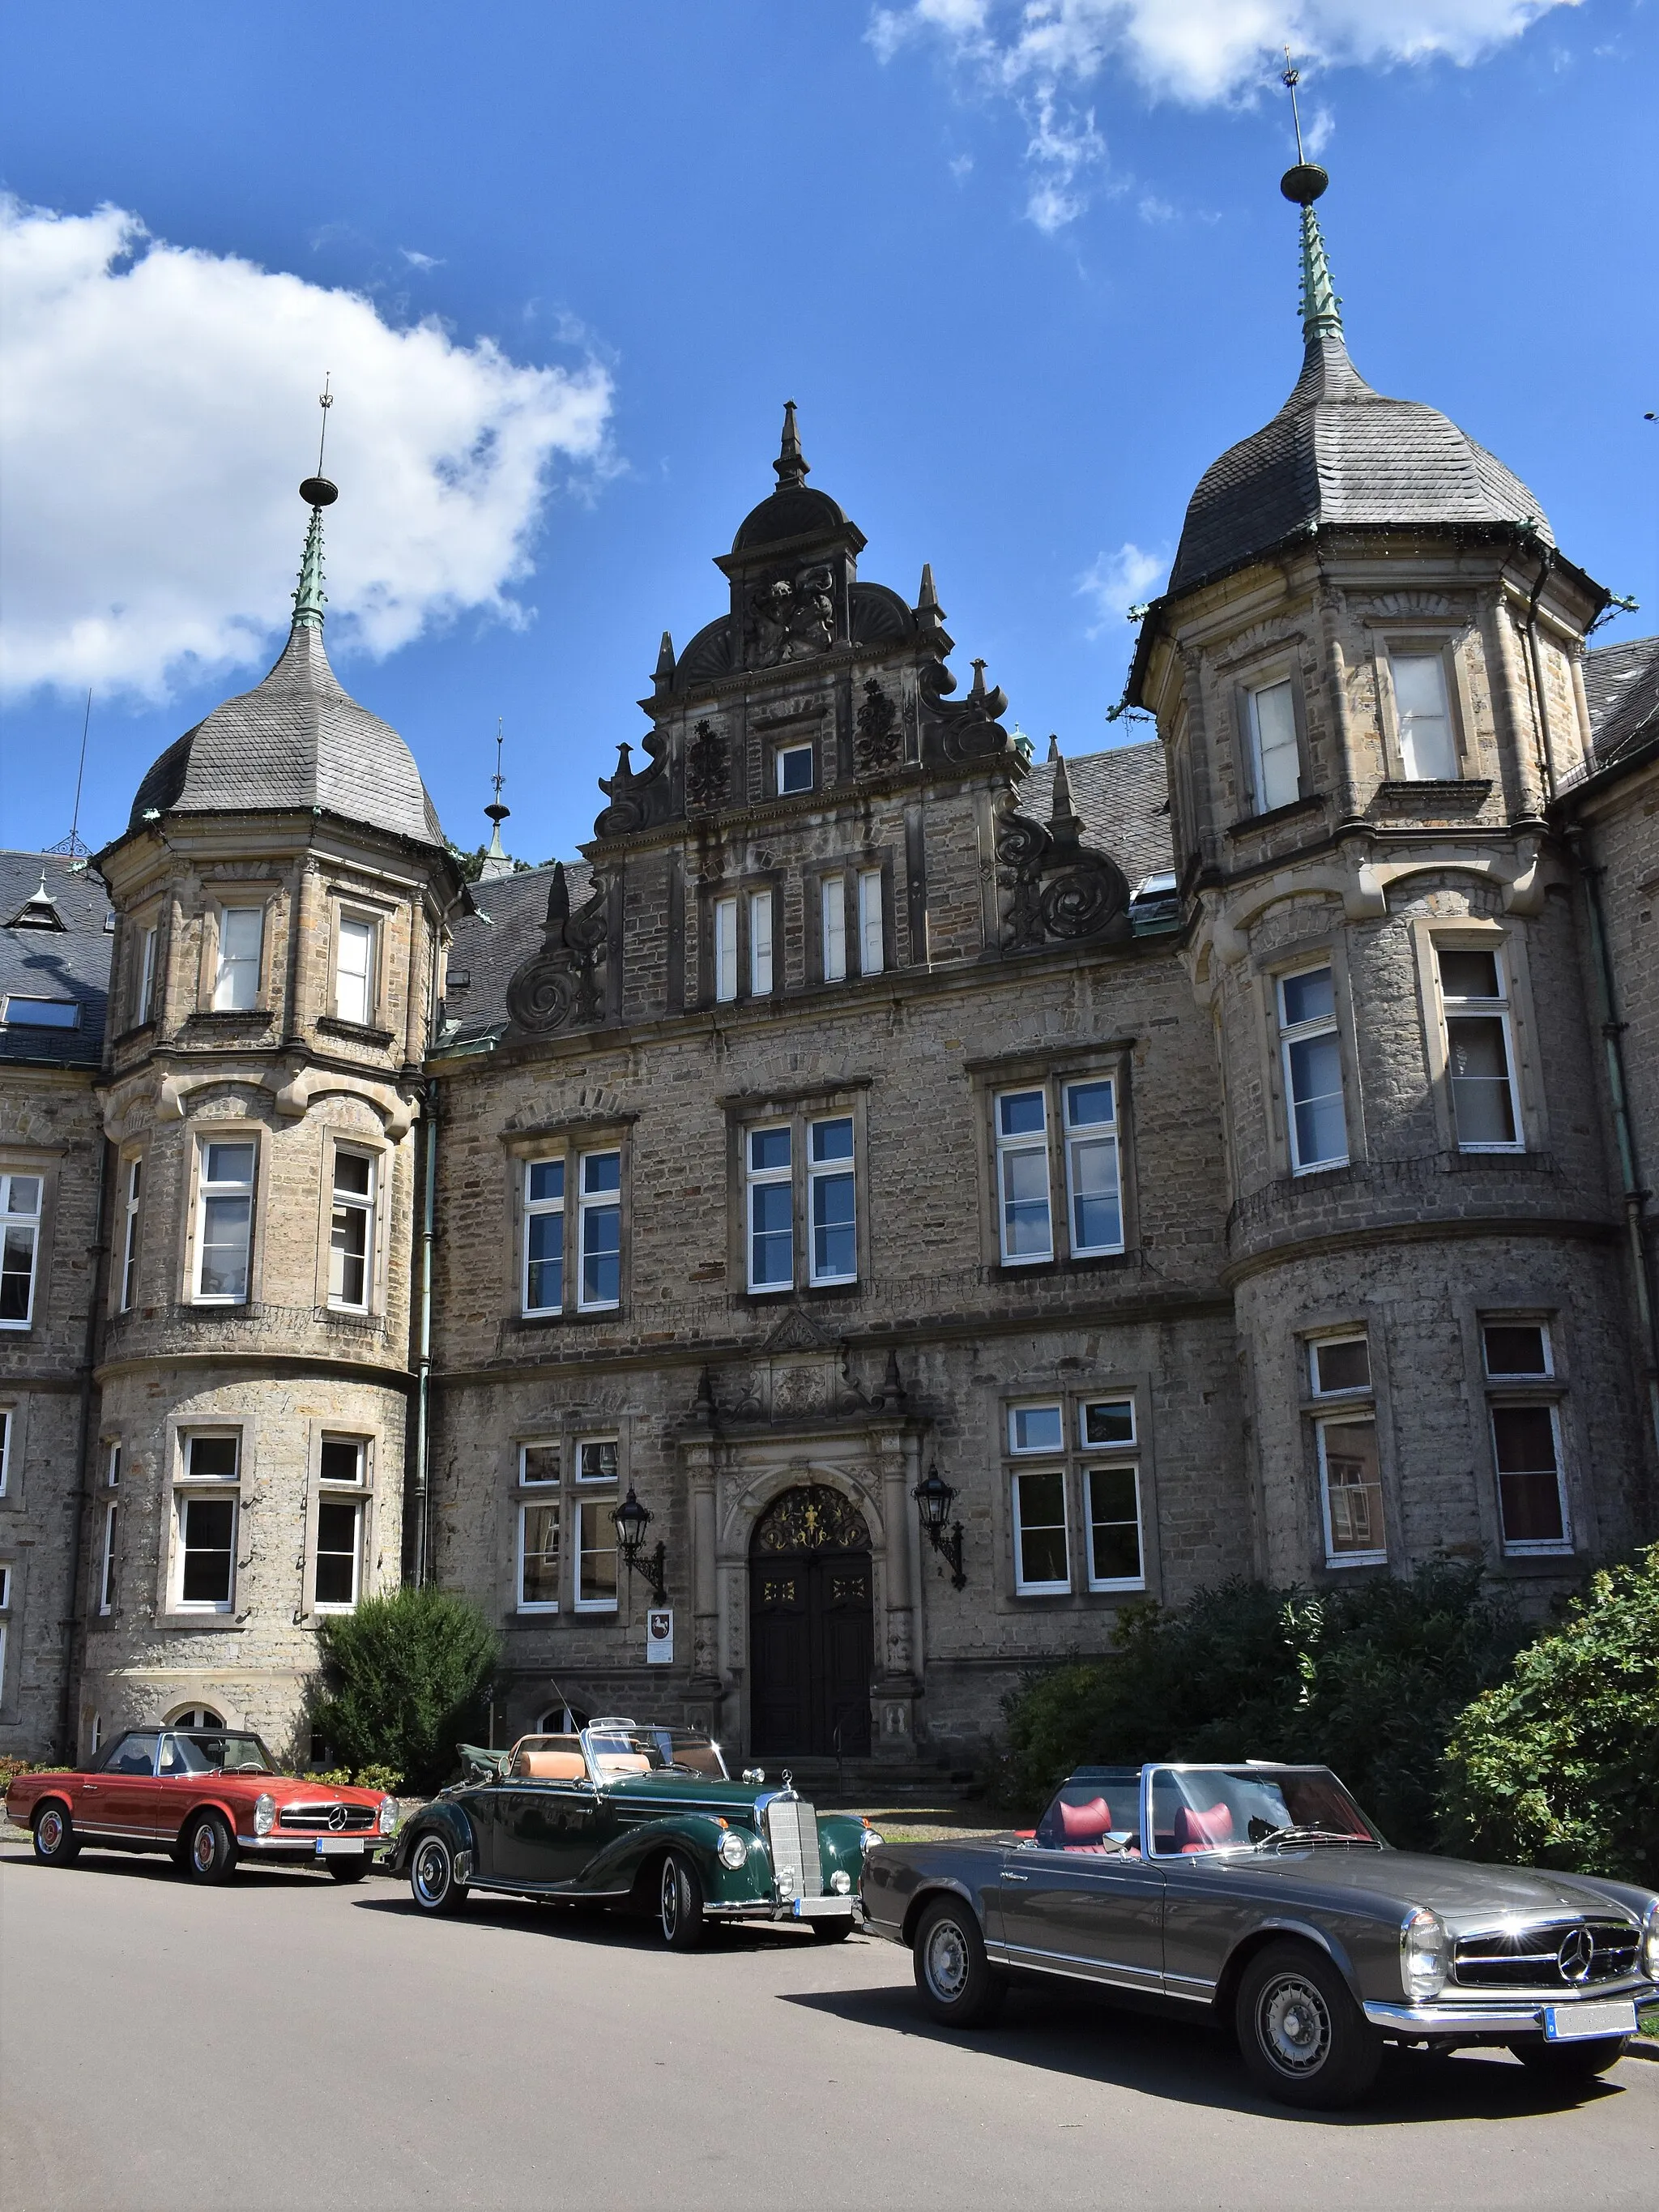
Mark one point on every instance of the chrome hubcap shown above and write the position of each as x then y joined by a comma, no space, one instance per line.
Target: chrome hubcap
432,1873
203,1849
946,1962
51,1831
1295,2026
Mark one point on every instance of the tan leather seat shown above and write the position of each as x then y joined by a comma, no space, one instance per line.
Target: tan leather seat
550,1766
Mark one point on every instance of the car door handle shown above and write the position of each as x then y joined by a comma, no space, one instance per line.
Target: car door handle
1017,1877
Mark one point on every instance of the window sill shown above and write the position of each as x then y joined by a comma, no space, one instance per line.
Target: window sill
529,1324
226,1017
356,1032
1356,1559
1248,824
1470,791
222,1624
844,1287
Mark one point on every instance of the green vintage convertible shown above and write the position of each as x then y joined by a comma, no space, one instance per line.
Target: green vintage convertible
628,1814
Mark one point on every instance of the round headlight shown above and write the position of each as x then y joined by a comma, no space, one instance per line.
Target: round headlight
868,1840
265,1814
1650,1942
1424,1961
732,1849
388,1816
841,1882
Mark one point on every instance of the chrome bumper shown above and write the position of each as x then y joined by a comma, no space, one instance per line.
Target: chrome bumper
305,1847
795,1908
1525,2018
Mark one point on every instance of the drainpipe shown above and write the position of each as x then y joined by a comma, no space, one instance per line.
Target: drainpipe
1636,1196
86,1459
1541,692
423,1404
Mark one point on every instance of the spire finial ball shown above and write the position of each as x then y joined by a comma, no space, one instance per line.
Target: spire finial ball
1303,183
318,492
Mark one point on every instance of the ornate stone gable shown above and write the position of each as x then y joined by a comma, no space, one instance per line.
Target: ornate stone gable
557,987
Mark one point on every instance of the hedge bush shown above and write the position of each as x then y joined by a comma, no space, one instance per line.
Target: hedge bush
1369,1679
1559,1765
405,1678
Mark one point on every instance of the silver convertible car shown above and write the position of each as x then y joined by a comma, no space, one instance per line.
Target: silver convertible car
1263,1895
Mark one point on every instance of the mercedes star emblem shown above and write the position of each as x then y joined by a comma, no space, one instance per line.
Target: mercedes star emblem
337,1819
1577,1954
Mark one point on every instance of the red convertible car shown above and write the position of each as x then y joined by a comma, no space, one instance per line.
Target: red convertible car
205,1795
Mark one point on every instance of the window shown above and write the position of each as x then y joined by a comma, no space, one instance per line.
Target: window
1022,1139
145,1007
832,1200
539,1556
42,1014
8,1422
726,949
1041,1556
206,1552
1428,750
354,972
241,940
794,769
596,1565
760,944
1092,1188
600,1207
771,1209
1526,1440
1313,1070
343,1461
130,1218
596,1459
224,1227
543,1237
1111,1494
351,1231
112,1466
832,893
19,1243
339,1553
107,1570
872,953
5,1623
1479,1058
1035,1429
538,1465
1274,756
1350,1472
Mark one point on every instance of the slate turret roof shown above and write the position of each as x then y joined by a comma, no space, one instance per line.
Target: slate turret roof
1621,688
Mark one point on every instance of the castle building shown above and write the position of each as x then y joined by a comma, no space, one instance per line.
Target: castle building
952,1194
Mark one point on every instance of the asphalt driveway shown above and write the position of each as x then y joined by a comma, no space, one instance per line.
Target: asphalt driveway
283,2043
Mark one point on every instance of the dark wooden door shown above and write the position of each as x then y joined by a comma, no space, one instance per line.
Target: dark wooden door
811,1635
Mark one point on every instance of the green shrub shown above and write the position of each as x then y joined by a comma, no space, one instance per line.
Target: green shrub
1368,1679
357,1777
404,1679
1559,1765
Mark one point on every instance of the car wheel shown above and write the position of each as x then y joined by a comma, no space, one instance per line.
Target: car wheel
55,1842
208,1852
1570,2063
348,1869
433,1882
1302,2037
679,1904
831,1931
956,1981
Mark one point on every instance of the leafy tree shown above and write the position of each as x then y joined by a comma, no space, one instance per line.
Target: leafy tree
1558,1765
471,865
405,1678
1368,1679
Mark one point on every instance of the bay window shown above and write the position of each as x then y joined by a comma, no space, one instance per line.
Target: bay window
241,943
1311,1055
131,1218
224,1220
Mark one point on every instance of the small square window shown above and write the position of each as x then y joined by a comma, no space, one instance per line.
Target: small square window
794,769
539,1463
1342,1364
596,1459
341,1459
1516,1348
1107,1421
1035,1429
211,1459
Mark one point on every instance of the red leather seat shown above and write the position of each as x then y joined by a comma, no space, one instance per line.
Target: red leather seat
1081,1825
1196,1831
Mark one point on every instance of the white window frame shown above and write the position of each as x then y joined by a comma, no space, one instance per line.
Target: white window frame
1338,1394
1499,1009
873,942
1077,1135
353,1498
546,1498
1504,1399
821,1171
189,1486
1293,1033
205,1191
112,1463
7,1423
368,929
832,897
1094,1465
131,1231
145,1008
723,931
767,1178
543,1209
1254,694
29,1225
233,971
1017,1476
589,1204
1436,655
1504,1374
1008,1147
107,1591
795,752
364,1207
760,944
1356,1412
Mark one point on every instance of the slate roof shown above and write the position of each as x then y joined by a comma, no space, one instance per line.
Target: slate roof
1621,685
72,963
297,740
1337,453
1122,801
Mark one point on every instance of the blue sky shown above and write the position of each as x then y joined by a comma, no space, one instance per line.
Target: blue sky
1021,298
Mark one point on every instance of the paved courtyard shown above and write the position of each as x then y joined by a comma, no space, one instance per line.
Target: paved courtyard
282,2043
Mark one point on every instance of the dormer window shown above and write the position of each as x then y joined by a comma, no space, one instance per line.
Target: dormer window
794,769
42,1014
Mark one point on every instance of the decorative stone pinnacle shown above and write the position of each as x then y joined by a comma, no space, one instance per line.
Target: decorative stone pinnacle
310,599
791,464
1322,316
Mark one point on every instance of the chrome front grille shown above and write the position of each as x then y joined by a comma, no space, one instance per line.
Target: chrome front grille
792,1835
1547,1957
323,1820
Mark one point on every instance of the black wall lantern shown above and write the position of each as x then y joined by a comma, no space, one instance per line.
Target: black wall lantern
934,1498
632,1520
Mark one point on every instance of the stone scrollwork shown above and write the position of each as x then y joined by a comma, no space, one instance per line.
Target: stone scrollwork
1057,889
637,800
707,767
558,984
791,618
879,737
960,731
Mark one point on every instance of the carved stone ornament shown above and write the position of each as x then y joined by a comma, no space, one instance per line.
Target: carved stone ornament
960,731
707,767
791,618
879,737
557,985
812,1518
637,801
1056,888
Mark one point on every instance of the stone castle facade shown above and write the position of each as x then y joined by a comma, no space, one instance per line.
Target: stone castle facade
1218,1155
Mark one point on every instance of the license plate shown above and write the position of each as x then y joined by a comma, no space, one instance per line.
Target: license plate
1570,2023
821,1908
331,1847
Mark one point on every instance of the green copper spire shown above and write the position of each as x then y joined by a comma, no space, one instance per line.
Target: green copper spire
311,598
1321,311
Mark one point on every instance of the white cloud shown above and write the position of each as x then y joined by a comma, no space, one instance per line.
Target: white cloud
157,409
1063,146
1117,582
419,260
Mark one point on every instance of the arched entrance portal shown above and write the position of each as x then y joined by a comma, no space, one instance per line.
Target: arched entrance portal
811,1640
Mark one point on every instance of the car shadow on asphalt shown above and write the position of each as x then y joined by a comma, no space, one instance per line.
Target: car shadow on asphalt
580,1923
1075,2033
158,1866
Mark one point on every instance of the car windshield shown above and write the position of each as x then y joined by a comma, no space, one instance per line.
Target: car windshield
1197,1809
643,1749
215,1751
